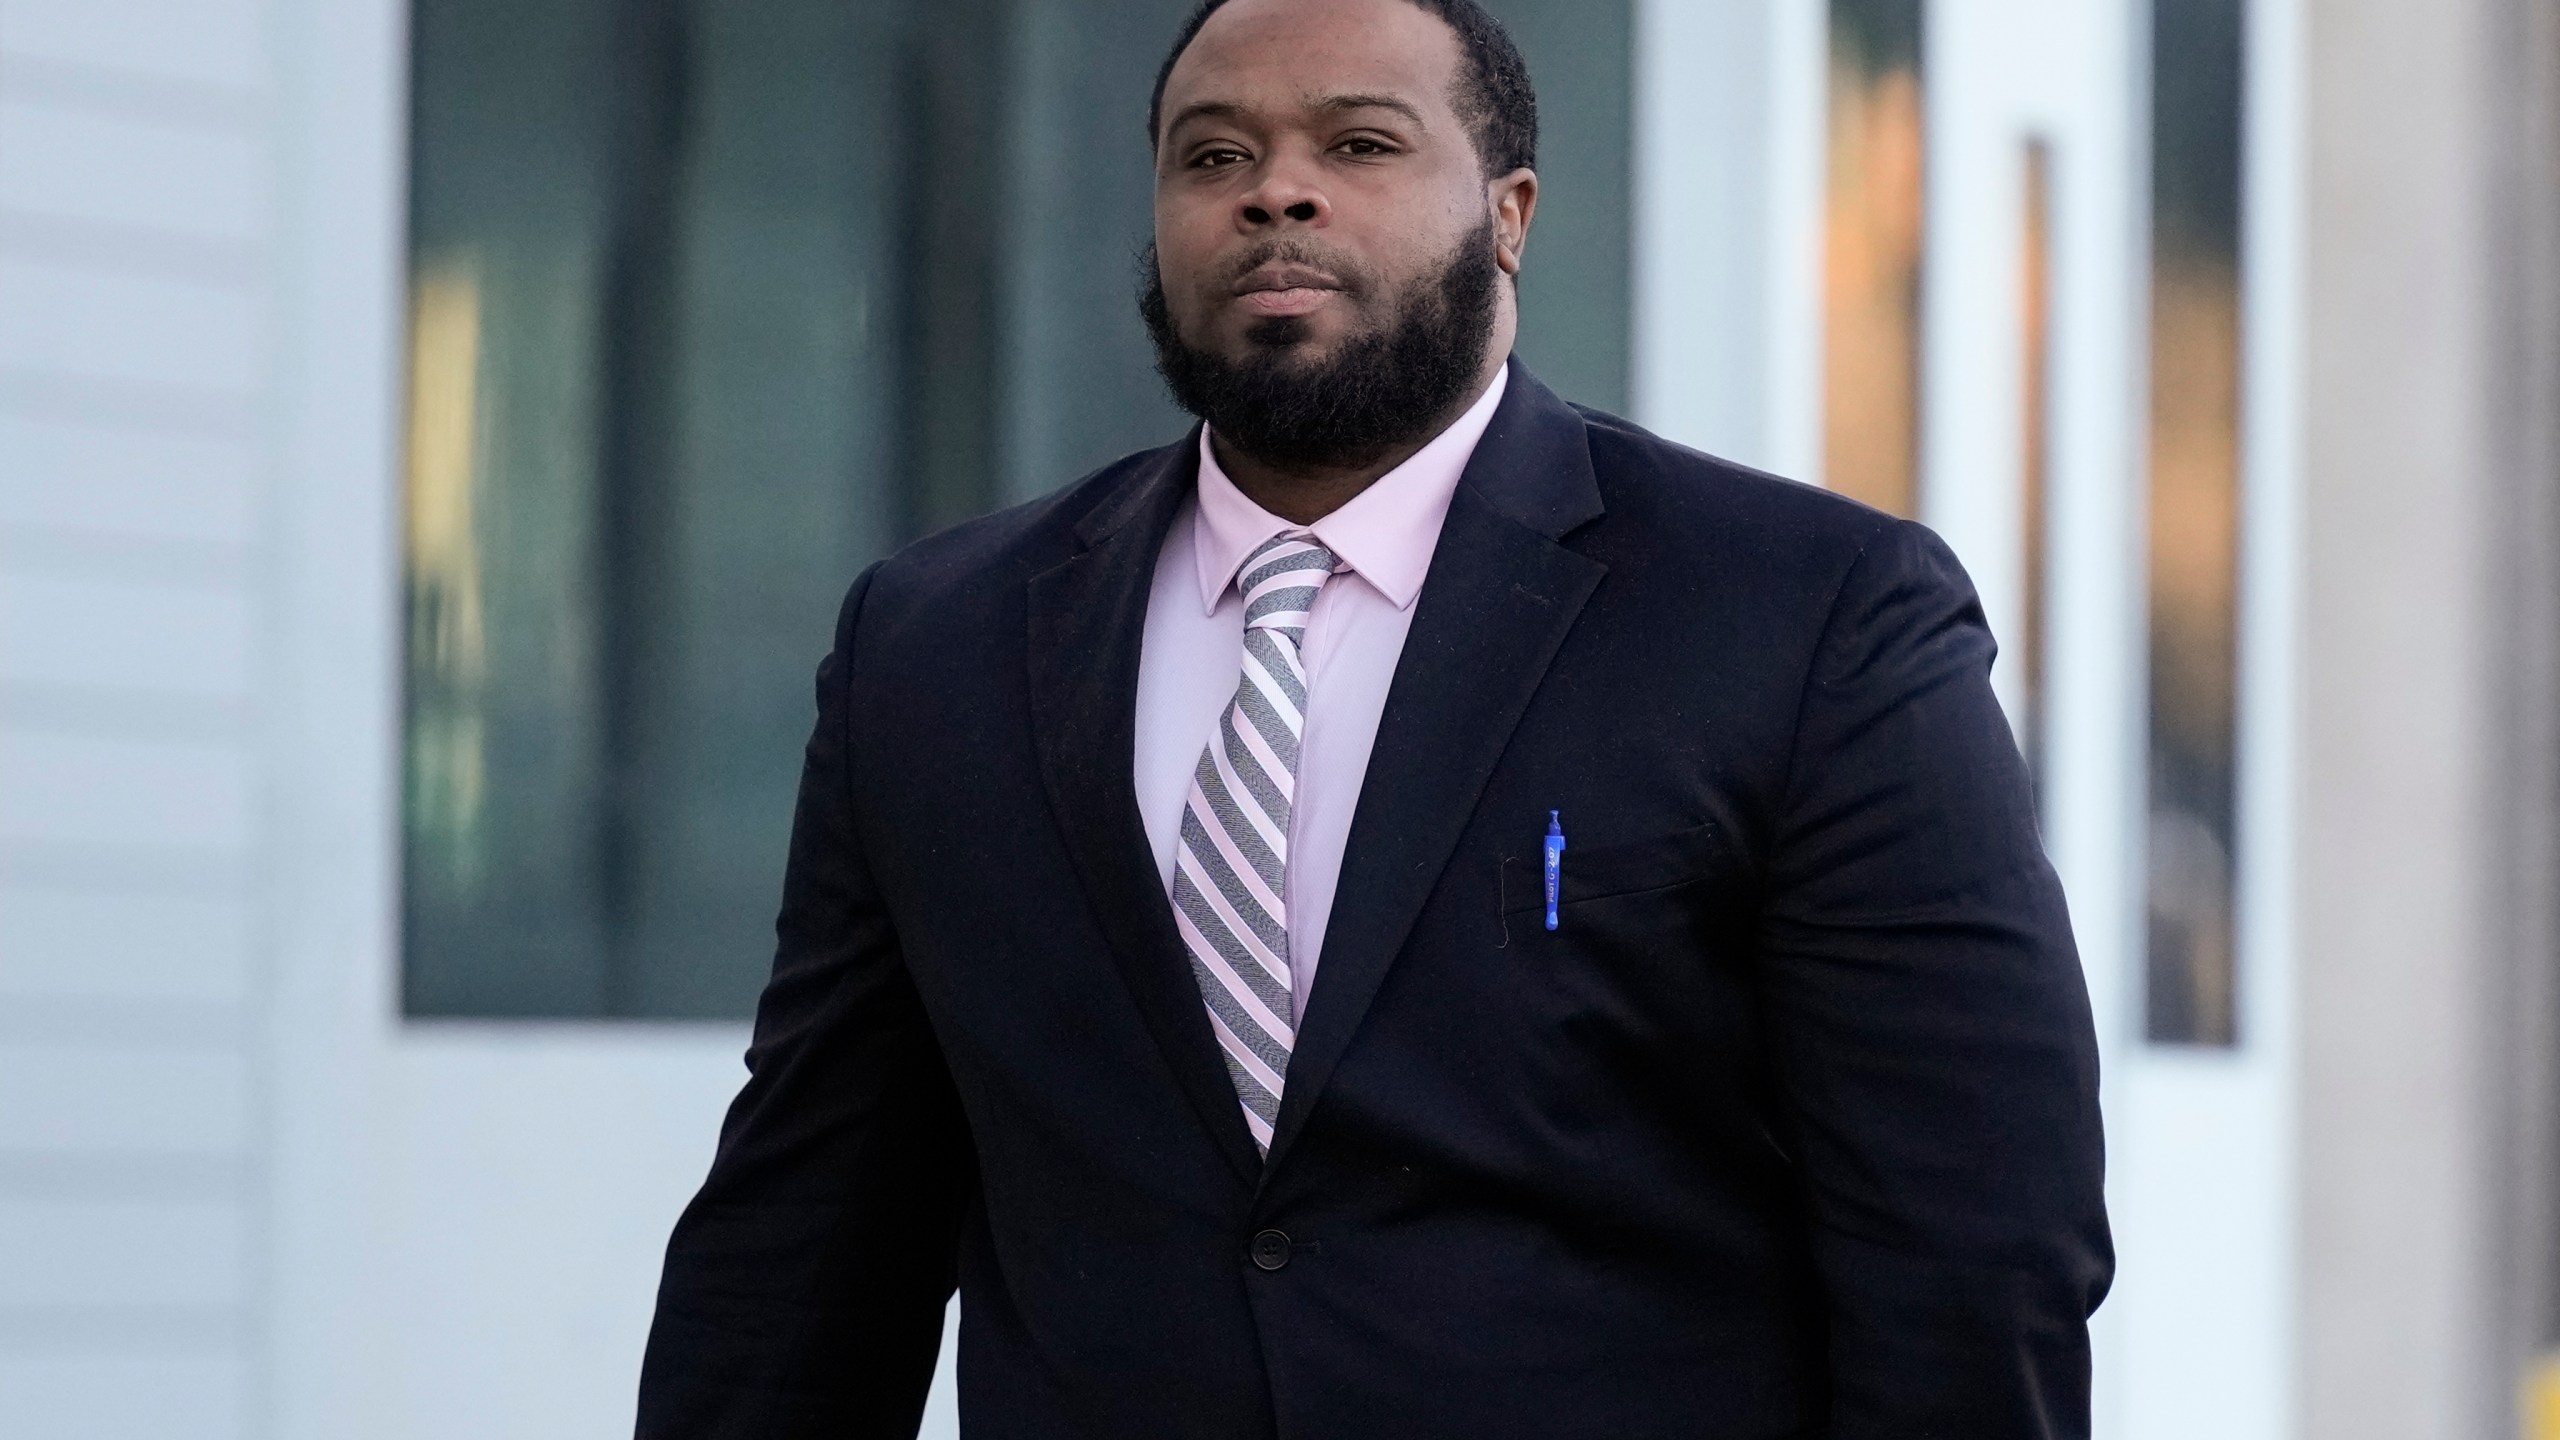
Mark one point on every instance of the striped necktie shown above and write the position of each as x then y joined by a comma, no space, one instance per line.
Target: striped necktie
1230,873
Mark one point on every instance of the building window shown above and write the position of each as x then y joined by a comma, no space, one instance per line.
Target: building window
2195,442
710,305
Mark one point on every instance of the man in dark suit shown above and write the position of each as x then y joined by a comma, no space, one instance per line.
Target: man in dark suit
1171,957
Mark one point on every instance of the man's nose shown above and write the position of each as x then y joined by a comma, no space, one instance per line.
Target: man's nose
1287,192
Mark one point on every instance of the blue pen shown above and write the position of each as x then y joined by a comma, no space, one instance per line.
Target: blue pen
1555,864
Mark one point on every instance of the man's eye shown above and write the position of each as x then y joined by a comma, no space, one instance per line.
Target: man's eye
1213,159
1360,145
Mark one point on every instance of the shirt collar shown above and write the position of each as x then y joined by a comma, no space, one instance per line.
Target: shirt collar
1385,534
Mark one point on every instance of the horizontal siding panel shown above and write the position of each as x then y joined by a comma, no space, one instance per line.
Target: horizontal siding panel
103,480
122,1253
171,794
88,1099
87,324
126,636
124,1397
114,170
113,945
207,42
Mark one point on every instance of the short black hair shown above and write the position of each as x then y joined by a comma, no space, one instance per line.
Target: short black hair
1494,96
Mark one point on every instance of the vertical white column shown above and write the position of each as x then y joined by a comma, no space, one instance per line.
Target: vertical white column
1977,62
1790,311
1728,167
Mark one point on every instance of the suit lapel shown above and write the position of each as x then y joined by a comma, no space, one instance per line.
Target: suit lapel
1499,599
1088,618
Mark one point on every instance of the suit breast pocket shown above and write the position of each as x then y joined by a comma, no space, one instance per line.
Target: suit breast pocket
1628,868
1647,969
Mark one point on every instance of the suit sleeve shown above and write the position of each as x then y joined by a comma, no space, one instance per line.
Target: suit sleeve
1930,1028
804,1286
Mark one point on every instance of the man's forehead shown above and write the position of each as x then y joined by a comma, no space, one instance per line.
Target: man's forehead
1314,55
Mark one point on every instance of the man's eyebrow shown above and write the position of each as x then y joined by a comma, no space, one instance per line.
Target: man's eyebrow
1205,110
1230,110
1371,102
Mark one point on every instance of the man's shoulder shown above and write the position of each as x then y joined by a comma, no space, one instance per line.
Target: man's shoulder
1669,499
1666,482
979,558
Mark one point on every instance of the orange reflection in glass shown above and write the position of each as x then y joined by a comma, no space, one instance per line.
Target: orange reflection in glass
2195,562
1872,250
448,634
2035,360
2197,89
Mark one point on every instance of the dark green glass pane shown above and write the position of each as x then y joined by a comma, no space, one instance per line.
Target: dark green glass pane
713,302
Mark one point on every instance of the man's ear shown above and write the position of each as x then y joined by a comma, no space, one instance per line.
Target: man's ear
1514,198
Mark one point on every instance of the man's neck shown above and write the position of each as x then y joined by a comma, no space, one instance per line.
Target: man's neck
1305,494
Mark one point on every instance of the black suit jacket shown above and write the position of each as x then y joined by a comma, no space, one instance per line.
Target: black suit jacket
1791,1129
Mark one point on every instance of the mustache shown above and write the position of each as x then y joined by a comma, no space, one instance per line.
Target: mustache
1293,251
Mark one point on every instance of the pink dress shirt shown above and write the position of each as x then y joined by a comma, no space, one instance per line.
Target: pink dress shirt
1193,654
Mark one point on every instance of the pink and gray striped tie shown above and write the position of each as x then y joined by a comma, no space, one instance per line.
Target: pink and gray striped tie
1230,873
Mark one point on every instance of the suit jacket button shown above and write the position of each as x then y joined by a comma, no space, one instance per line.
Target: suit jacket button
1270,1249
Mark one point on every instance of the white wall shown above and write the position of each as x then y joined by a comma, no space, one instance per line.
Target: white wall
138,253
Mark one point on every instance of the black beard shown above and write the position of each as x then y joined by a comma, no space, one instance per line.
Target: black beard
1388,387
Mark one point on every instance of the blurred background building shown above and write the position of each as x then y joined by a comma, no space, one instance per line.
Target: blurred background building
434,436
